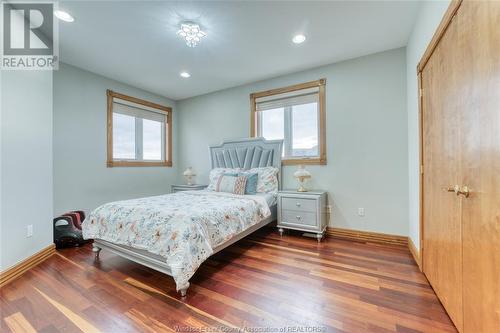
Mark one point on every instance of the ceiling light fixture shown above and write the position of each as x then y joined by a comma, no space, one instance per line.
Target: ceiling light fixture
185,75
192,33
299,39
64,16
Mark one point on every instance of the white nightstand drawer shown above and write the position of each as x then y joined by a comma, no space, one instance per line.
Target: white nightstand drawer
299,218
304,211
300,204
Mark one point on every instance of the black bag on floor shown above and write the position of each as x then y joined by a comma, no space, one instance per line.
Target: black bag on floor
67,229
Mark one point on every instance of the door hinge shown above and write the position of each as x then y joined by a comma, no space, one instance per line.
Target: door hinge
421,169
421,92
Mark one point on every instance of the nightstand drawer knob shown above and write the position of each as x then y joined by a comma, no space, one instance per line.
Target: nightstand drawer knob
297,204
298,217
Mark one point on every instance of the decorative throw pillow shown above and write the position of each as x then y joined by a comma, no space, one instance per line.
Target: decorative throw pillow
215,175
252,179
231,184
267,179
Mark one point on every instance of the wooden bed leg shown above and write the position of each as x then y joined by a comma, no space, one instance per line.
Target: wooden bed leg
96,249
184,289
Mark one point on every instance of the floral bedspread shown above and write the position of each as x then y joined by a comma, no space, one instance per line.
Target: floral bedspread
184,227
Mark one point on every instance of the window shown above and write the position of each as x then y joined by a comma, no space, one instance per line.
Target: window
139,132
295,114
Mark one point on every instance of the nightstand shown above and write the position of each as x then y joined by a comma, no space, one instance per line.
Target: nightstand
180,188
304,211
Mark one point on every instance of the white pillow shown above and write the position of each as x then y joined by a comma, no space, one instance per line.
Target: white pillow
268,179
215,175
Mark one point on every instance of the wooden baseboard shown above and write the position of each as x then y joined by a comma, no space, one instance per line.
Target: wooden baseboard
367,236
28,263
415,253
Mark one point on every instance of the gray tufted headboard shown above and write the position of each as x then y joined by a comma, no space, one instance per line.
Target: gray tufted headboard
247,153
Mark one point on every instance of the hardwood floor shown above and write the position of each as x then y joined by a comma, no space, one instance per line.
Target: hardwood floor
262,281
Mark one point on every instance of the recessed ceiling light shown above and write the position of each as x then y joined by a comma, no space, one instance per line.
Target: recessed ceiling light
64,16
185,75
298,39
192,33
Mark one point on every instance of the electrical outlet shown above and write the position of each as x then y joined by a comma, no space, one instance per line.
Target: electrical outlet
29,231
329,209
361,211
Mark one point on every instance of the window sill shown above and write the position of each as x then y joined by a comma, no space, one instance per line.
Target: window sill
308,161
112,164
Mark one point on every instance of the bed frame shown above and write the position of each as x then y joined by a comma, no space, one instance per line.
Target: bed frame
243,153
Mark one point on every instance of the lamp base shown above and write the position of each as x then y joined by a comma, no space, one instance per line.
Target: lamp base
302,182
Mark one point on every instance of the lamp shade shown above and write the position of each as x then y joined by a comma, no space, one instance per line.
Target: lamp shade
302,175
189,174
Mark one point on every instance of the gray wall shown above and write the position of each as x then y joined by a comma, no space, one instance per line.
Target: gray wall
26,164
81,178
366,137
428,19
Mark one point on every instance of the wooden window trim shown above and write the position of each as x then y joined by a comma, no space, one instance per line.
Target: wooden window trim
321,160
168,133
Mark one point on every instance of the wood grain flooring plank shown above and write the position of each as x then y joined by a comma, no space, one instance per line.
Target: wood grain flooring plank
188,309
110,320
18,324
39,312
148,324
264,280
76,319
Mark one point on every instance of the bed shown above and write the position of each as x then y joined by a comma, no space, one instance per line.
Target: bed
175,233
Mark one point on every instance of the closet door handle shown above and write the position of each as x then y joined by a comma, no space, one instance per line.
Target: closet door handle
458,190
464,190
450,188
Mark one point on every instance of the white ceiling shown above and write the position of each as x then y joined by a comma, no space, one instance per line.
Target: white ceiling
135,42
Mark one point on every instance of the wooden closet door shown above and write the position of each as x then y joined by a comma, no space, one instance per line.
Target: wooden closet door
479,23
442,241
